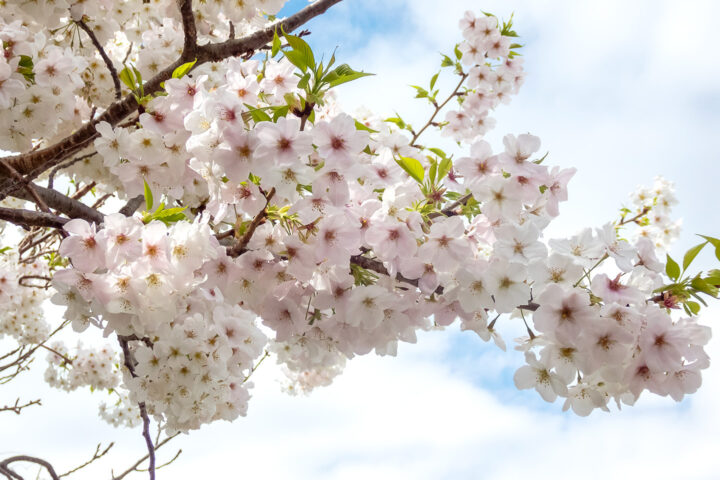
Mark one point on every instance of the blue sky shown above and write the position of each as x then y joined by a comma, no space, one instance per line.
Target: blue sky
623,93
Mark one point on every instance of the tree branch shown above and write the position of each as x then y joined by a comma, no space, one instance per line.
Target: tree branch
31,218
188,21
98,454
106,59
132,205
25,458
53,172
27,184
239,247
128,361
449,211
63,204
17,408
136,464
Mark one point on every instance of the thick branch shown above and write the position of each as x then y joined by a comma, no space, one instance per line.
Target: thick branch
63,204
25,458
106,59
31,218
132,205
31,164
230,48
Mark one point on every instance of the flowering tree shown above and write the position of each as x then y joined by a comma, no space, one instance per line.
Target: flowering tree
221,208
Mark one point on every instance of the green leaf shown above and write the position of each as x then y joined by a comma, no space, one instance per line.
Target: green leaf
413,168
303,83
444,167
127,77
672,268
438,152
713,277
691,254
716,243
447,62
433,80
693,306
458,53
703,286
148,196
304,52
433,171
258,115
183,69
281,111
421,92
297,59
362,126
397,121
5,249
343,74
275,44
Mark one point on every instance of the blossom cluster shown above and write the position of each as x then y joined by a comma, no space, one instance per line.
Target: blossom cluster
88,367
290,219
51,70
651,207
165,286
21,314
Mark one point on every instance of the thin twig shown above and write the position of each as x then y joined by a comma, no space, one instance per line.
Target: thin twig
53,172
128,361
449,211
136,464
239,248
438,108
27,184
96,456
106,59
17,407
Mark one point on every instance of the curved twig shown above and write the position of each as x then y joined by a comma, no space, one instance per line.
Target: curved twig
106,59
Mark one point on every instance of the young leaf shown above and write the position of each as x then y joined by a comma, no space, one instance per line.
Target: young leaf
413,168
716,243
672,268
444,168
433,171
183,69
362,126
128,78
433,80
148,196
303,51
691,254
693,306
275,45
343,74
297,59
